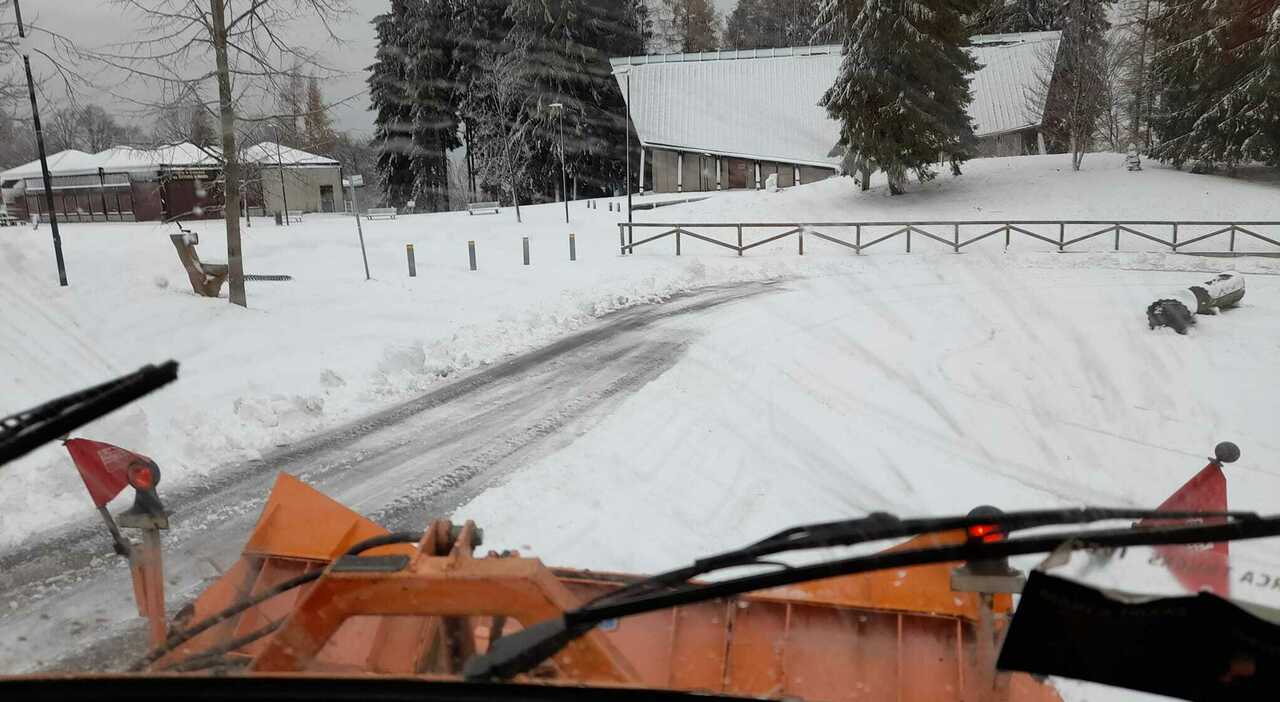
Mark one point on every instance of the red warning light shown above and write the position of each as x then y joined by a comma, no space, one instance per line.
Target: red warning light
141,476
986,533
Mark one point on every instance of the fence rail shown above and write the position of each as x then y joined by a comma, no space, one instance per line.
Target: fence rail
946,232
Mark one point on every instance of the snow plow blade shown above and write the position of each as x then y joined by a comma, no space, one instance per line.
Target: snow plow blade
423,609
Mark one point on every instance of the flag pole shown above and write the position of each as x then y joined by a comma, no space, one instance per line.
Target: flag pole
122,545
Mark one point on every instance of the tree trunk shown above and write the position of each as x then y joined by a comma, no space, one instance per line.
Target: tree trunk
231,162
515,199
866,177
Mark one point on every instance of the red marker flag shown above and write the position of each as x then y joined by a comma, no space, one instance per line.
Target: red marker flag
1198,566
103,467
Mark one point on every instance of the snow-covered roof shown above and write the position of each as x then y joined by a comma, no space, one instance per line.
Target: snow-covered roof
266,154
763,103
130,159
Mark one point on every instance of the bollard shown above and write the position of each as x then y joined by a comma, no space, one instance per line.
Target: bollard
573,247
413,266
526,251
471,253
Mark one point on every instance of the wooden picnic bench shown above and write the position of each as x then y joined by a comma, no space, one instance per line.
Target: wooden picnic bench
206,278
380,213
293,215
482,208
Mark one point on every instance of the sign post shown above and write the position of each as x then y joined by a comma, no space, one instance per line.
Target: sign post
358,181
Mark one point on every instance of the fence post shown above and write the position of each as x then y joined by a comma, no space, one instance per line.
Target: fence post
800,238
1006,236
631,239
956,235
622,241
908,238
1232,246
857,239
1175,236
1117,237
739,239
471,253
413,267
677,241
526,250
573,247
1062,235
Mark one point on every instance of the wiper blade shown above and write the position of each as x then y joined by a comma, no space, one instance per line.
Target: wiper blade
522,651
881,525
22,432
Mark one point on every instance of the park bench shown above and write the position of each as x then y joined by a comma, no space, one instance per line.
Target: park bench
206,278
294,215
482,208
380,213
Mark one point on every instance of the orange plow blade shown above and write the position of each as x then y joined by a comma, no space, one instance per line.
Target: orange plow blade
423,609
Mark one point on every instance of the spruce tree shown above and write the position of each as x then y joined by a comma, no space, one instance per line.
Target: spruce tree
1001,17
389,97
902,93
1218,83
433,96
763,24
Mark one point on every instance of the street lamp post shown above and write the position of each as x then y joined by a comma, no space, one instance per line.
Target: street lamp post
627,125
44,162
558,108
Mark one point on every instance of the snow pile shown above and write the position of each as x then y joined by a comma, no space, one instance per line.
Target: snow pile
331,346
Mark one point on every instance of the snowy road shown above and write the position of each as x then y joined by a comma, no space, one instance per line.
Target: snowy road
67,603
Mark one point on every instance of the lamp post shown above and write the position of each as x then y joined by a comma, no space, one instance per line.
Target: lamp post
44,162
558,109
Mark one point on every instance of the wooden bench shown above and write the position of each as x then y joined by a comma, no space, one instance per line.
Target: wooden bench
8,220
293,216
206,278
380,213
482,208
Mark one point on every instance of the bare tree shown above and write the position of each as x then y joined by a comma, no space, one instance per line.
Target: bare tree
17,142
500,107
243,48
1071,89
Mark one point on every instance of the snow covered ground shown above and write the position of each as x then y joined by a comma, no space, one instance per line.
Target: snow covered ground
916,384
330,345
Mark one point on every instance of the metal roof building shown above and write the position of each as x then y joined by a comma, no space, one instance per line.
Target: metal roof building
700,115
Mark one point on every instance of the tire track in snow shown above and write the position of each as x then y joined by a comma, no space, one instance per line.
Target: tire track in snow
417,460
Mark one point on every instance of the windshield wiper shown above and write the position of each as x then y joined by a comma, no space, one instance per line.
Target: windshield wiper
22,432
523,650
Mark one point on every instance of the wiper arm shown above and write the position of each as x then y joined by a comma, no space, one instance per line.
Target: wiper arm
879,526
523,650
24,431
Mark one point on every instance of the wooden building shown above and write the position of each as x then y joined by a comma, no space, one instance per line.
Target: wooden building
726,120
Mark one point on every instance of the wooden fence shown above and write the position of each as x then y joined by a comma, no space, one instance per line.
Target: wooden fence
946,233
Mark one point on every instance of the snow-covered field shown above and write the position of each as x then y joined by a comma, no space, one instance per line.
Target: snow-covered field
917,383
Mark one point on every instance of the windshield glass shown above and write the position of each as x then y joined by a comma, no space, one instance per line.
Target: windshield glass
626,284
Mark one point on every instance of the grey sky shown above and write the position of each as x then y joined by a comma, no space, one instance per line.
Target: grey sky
96,23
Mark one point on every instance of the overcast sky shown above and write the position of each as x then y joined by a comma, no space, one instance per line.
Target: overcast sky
97,23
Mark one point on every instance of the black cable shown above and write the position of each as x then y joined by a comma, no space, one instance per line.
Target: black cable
216,655
178,638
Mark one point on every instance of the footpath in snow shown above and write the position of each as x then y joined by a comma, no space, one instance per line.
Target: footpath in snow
330,346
